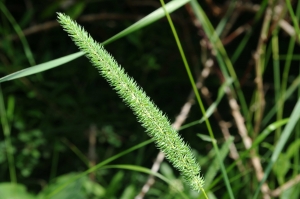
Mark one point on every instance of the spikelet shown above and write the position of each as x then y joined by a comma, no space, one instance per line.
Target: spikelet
152,119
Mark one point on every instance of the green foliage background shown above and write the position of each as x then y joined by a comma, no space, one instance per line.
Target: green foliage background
50,113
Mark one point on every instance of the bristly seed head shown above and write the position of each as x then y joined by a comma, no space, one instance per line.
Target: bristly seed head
147,113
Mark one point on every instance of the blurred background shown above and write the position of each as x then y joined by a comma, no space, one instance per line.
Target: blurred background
64,120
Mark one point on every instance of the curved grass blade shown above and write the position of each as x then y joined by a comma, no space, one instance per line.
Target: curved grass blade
288,129
152,17
147,171
284,97
98,166
213,106
294,19
221,55
241,46
41,67
269,129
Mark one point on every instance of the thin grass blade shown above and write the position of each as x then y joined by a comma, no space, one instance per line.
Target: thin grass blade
152,17
287,131
41,67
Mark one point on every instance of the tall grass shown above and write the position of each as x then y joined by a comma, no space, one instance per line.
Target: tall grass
250,147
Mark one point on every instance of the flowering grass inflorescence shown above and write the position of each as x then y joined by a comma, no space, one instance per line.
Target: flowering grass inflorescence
151,118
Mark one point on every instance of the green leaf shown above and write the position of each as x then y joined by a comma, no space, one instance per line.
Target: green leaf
80,188
14,191
205,137
281,167
58,189
293,149
114,184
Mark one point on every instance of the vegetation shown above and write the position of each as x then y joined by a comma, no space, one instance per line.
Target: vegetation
66,134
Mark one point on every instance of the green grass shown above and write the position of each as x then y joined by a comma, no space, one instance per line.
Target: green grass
266,132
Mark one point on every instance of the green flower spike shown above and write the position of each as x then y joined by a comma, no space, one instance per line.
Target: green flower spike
155,122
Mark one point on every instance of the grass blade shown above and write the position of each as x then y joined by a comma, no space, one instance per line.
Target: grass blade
41,67
152,17
19,31
98,166
281,143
